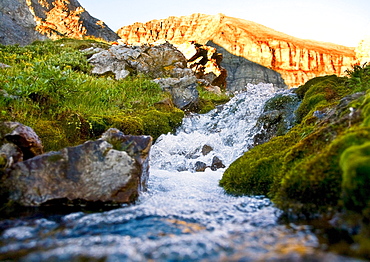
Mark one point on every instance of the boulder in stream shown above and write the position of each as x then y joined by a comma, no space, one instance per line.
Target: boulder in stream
110,170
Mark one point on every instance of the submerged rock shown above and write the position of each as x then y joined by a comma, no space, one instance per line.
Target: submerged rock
216,163
200,166
113,170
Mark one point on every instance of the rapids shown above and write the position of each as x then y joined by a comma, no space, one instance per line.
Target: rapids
184,215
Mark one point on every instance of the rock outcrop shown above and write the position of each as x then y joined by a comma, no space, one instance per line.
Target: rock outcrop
112,170
297,60
17,24
24,21
162,62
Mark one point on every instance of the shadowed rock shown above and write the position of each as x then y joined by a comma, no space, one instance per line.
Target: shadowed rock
111,172
200,166
216,163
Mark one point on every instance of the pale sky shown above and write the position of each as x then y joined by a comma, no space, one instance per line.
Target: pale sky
343,22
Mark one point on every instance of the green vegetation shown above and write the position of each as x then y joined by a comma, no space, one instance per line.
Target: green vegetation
322,164
209,100
49,87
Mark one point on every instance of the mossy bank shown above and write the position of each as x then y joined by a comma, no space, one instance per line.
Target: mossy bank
49,87
321,166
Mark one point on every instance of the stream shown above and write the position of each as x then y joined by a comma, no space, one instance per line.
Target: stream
184,215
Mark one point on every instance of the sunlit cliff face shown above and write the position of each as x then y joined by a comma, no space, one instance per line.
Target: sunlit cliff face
297,60
67,18
363,51
57,19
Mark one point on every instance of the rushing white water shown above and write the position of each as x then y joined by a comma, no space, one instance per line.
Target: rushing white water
227,130
184,216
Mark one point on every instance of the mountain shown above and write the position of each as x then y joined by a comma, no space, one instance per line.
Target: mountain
24,21
297,60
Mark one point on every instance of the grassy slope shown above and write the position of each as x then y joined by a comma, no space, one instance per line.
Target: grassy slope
49,88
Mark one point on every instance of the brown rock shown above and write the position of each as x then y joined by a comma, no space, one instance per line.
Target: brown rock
23,137
297,60
206,149
200,166
216,163
96,171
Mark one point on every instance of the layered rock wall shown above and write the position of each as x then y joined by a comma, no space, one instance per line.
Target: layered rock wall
297,60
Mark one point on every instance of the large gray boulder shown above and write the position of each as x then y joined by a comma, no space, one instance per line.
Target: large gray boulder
111,170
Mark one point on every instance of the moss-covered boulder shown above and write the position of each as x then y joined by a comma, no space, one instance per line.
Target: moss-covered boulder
277,117
355,163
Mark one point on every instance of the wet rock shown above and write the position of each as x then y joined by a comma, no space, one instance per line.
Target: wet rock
200,166
206,149
137,147
216,163
24,137
277,118
111,172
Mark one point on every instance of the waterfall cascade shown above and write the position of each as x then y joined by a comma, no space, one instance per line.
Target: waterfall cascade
225,131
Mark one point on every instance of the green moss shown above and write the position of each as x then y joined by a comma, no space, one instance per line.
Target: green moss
129,125
51,133
209,100
55,157
156,123
355,163
319,93
255,172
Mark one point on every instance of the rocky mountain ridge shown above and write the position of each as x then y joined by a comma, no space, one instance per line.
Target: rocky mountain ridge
24,21
297,60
